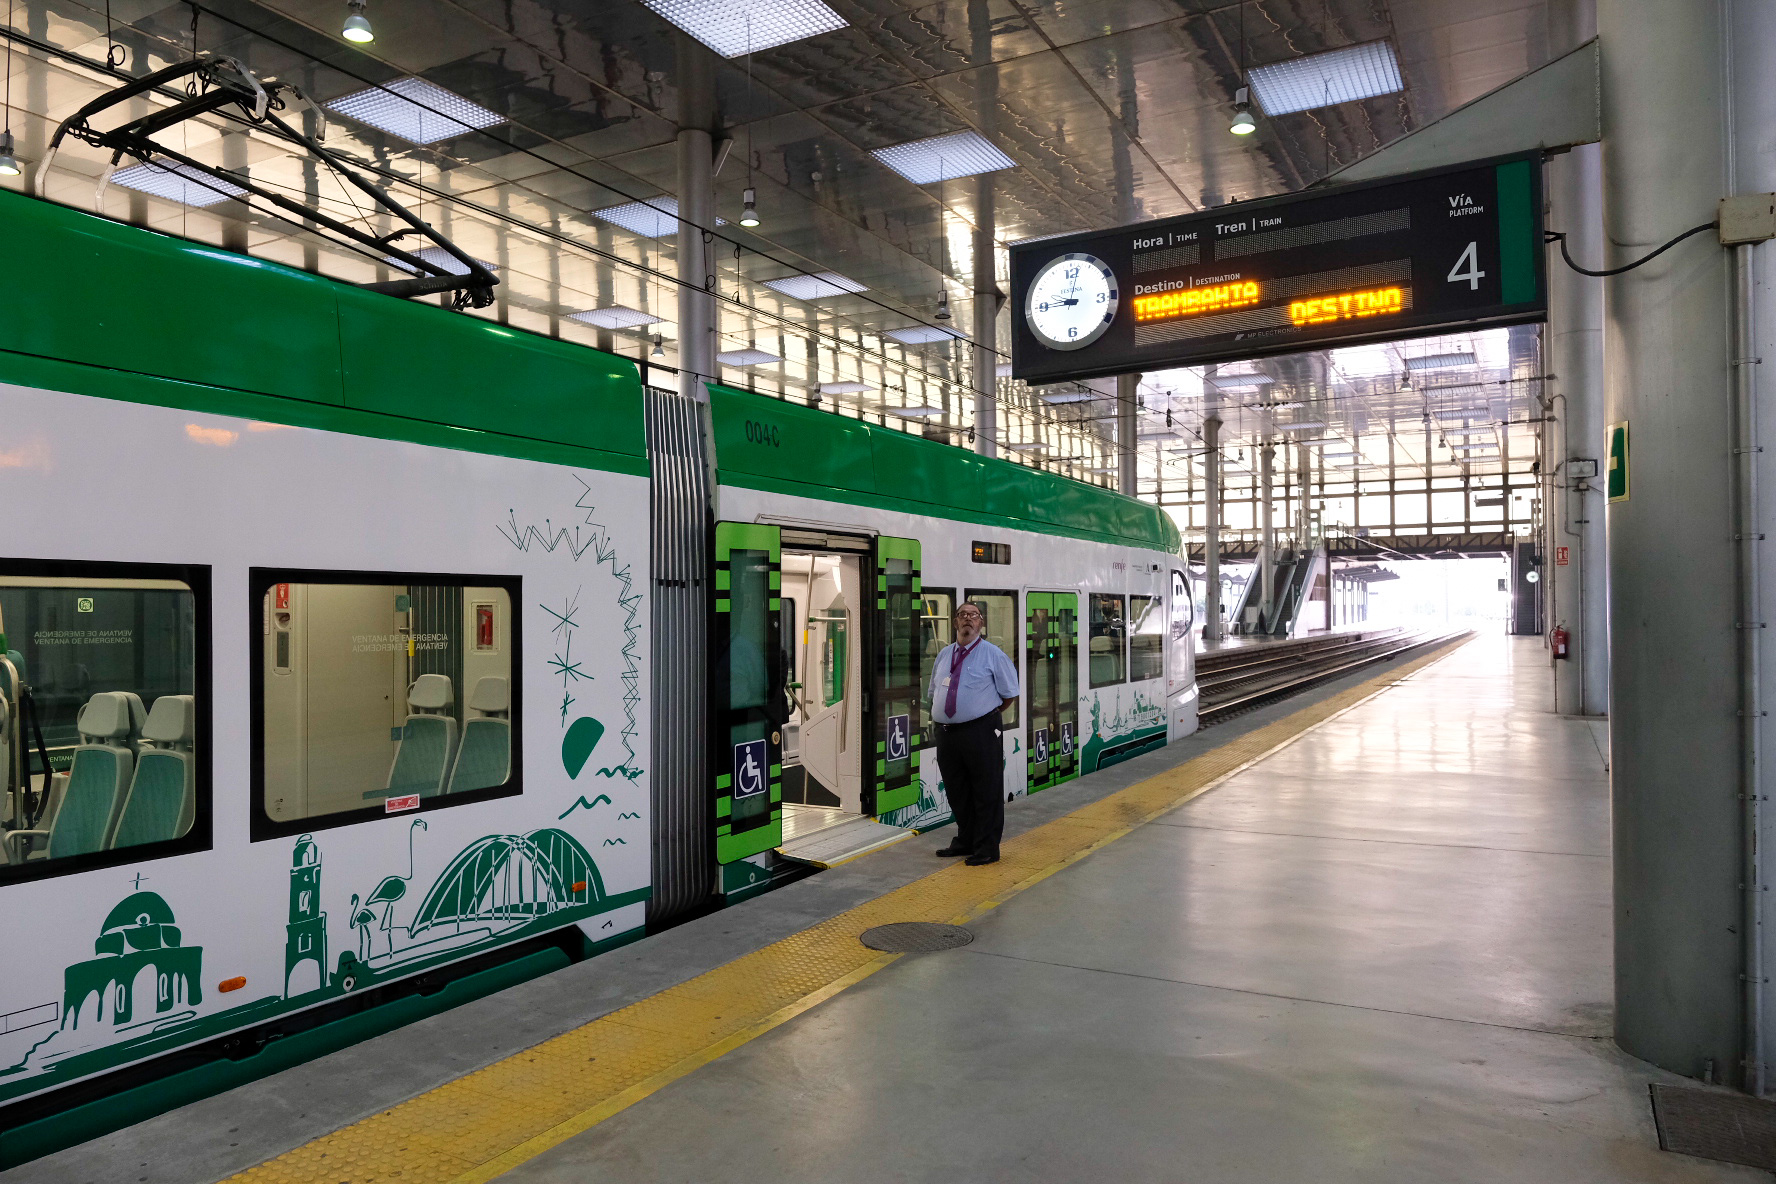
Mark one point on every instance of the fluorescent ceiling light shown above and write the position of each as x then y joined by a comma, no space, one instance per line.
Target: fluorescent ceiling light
845,388
1470,447
1302,426
944,158
615,316
1440,361
1234,382
176,182
914,412
746,357
736,27
1041,238
417,111
1002,370
1027,447
1322,79
1068,397
439,257
814,287
922,335
655,218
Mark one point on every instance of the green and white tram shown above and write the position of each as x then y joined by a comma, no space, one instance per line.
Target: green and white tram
356,651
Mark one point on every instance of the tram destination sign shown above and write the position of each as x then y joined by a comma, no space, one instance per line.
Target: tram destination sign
1403,257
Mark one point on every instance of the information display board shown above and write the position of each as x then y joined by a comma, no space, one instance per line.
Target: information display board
1402,257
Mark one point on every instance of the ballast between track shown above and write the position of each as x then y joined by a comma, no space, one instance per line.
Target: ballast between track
1233,681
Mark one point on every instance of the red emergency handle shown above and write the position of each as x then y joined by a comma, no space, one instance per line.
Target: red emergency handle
1558,641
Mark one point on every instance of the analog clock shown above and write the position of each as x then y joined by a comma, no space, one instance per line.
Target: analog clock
1071,301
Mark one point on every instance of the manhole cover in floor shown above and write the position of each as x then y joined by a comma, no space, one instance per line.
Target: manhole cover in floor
1714,1124
915,937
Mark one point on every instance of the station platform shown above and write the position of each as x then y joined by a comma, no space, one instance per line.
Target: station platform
1363,935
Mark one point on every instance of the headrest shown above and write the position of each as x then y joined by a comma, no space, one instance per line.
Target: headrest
106,716
1102,645
138,711
173,720
429,692
491,694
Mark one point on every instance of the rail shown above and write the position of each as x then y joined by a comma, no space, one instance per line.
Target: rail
1233,681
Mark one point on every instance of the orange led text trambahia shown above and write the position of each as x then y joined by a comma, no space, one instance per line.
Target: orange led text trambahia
1196,300
1347,306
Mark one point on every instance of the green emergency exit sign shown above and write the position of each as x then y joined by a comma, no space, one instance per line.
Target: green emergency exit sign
1618,462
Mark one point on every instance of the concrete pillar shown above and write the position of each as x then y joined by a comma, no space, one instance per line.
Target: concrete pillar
1127,433
696,212
1266,528
1212,630
234,159
1687,116
986,320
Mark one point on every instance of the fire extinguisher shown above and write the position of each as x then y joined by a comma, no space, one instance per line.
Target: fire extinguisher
1558,641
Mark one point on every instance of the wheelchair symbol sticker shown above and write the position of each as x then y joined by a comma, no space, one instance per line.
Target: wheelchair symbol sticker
898,744
1066,739
749,768
1039,745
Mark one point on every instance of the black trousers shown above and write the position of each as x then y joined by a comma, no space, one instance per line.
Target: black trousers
972,765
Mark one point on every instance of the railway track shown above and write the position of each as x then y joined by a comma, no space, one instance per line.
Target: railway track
1237,680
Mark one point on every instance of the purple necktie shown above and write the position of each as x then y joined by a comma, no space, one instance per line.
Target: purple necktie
957,657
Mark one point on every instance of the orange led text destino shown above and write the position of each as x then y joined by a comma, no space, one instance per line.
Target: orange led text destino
1196,300
1347,306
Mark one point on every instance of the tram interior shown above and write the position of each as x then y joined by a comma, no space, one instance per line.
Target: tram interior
98,714
823,742
380,691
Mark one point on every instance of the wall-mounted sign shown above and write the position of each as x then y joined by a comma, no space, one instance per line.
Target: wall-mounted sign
1618,462
1382,260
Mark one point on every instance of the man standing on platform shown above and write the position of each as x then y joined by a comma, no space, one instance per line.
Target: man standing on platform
971,683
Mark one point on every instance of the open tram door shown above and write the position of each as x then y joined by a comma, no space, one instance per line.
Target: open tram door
844,624
1051,639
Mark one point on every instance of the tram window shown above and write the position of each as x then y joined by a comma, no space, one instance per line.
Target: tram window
936,630
381,694
103,714
1003,630
1108,640
1146,637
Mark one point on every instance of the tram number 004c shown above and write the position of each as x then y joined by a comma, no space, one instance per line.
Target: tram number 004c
762,433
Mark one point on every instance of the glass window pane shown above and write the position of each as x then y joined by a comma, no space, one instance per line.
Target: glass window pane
1146,637
1107,645
935,632
383,697
1003,630
104,667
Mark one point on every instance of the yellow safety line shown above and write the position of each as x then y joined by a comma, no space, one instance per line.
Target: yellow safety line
478,1126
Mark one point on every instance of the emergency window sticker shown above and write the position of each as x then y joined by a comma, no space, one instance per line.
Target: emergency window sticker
486,627
749,768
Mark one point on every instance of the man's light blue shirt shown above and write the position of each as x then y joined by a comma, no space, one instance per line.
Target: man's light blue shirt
987,677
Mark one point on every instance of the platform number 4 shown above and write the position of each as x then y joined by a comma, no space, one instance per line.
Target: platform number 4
1468,268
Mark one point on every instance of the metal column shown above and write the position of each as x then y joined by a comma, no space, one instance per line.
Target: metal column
1126,432
1212,627
986,321
1267,532
1574,513
696,211
1686,105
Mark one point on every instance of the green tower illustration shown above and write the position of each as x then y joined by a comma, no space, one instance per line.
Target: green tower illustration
305,936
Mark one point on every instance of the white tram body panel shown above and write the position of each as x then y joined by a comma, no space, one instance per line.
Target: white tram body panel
107,966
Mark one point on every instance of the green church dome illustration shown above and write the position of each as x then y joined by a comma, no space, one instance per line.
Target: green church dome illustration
140,921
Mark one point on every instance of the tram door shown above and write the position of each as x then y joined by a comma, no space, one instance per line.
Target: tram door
895,703
749,703
1052,647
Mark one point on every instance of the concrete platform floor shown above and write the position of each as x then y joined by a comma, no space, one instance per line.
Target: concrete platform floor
1381,954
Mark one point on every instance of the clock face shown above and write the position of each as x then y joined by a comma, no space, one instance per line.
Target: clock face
1071,301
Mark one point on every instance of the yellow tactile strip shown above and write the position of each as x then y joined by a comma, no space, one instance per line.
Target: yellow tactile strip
478,1126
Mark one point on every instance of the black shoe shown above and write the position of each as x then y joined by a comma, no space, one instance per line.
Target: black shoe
952,849
981,860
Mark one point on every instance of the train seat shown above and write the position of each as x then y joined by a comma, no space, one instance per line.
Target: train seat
163,792
428,739
485,758
1103,659
97,778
